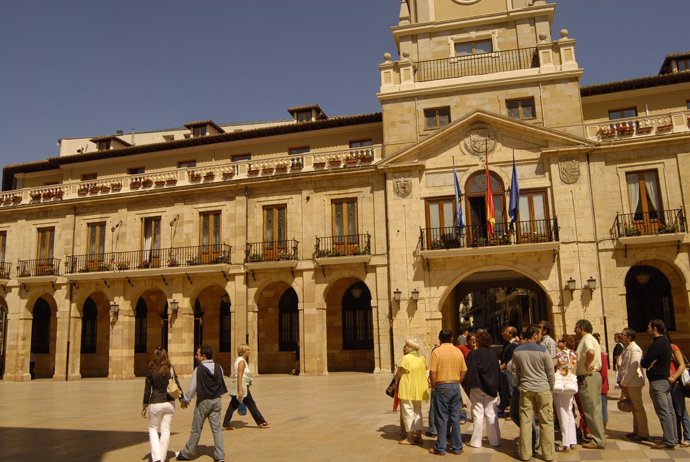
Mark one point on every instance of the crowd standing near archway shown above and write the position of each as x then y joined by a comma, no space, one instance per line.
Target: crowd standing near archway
546,382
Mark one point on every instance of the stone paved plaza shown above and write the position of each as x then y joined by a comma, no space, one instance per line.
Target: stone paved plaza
342,416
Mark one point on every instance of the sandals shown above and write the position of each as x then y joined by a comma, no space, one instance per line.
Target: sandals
406,442
562,448
264,425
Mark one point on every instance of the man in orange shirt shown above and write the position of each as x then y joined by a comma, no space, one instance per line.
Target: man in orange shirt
447,369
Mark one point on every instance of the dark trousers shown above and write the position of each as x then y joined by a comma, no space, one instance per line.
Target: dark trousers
251,406
504,390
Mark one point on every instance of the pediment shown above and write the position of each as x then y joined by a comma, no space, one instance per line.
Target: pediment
469,138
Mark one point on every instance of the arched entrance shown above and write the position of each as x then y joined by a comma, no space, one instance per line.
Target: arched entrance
350,333
3,336
278,334
492,300
475,197
150,327
648,295
95,336
212,323
43,337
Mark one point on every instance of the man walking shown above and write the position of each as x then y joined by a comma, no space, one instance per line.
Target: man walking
505,379
631,380
208,384
535,378
589,382
657,361
447,369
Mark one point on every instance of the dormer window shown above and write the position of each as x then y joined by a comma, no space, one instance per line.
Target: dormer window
203,128
106,143
199,131
303,116
103,145
310,113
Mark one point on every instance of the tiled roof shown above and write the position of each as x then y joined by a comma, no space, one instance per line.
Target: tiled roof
634,84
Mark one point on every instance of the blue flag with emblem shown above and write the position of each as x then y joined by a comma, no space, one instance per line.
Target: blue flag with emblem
458,207
514,205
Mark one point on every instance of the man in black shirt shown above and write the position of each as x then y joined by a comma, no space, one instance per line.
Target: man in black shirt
208,384
657,361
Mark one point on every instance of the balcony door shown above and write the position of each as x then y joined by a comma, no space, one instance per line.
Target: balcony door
44,253
533,220
151,238
476,205
209,236
645,201
275,231
95,244
441,223
344,217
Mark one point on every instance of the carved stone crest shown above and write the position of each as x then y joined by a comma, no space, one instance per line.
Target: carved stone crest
480,139
402,187
569,170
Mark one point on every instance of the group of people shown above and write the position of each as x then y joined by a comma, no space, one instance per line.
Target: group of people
208,385
535,378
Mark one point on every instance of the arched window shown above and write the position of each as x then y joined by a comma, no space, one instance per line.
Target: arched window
288,320
40,328
475,206
358,330
198,324
225,317
140,327
648,296
89,326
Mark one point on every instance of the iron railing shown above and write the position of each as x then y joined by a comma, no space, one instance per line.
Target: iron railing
522,232
38,267
5,268
210,254
485,63
341,246
649,223
271,251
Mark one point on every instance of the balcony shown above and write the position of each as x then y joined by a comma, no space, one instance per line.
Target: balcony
38,268
5,268
486,63
272,254
174,257
338,250
650,227
527,236
202,175
639,127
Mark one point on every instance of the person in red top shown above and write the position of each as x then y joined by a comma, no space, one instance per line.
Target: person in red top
471,339
677,367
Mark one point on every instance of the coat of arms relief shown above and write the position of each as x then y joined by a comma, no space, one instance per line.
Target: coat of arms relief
569,170
402,187
480,139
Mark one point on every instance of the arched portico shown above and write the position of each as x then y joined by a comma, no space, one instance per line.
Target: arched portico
150,327
212,322
278,328
43,337
95,336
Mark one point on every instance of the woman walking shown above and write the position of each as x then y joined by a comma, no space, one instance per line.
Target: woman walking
564,391
413,388
481,383
160,405
240,392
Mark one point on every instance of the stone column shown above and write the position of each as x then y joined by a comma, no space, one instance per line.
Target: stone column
18,337
181,331
121,361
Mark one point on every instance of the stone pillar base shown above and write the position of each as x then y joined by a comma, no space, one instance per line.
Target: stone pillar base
121,377
21,377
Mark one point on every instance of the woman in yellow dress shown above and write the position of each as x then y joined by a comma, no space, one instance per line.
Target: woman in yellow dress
413,388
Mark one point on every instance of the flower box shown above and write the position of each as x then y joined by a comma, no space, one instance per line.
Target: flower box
115,186
94,189
664,128
47,194
35,195
668,228
296,164
228,175
282,168
255,257
208,176
334,163
252,172
194,176
82,190
105,188
123,266
319,164
146,182
135,184
159,183
172,262
643,130
351,162
267,170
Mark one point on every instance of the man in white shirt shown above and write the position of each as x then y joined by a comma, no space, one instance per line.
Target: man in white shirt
631,380
589,382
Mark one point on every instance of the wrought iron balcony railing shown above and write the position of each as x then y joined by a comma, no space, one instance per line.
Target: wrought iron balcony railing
649,223
5,268
271,251
210,254
341,246
485,63
38,267
523,232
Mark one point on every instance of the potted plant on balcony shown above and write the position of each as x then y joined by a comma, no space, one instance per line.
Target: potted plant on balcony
360,250
222,258
284,256
135,183
160,182
103,266
115,186
437,244
366,156
296,164
503,239
146,183
228,174
123,265
194,261
255,257
479,242
281,166
105,188
209,176
172,261
194,175
84,269
47,194
668,228
606,132
630,231
94,188
171,181
319,164
352,159
252,170
334,162
35,195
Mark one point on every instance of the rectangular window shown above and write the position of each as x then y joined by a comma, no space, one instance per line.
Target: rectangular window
186,164
136,171
3,248
436,117
441,223
344,223
44,253
298,150
360,143
241,157
304,116
533,217
476,47
275,226
683,65
103,145
623,113
96,241
209,236
89,176
644,195
521,108
199,131
151,239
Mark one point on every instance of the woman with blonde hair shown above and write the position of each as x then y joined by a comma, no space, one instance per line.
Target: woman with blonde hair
160,405
413,388
240,392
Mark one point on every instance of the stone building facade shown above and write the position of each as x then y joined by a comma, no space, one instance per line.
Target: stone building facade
329,240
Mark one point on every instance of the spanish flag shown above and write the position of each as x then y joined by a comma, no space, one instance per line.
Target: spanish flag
490,214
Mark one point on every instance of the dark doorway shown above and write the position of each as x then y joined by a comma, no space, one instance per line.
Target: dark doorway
648,296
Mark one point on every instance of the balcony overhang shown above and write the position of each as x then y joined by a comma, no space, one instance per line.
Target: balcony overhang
155,272
652,239
491,250
344,260
52,279
269,265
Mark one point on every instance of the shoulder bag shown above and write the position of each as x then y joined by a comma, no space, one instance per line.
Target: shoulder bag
390,389
685,378
173,390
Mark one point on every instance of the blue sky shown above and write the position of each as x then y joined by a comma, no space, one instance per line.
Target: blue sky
73,68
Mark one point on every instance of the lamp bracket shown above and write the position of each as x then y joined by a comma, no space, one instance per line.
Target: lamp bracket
164,281
189,278
130,282
225,275
105,282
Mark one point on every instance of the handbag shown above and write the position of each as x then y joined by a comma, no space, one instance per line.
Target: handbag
390,389
685,379
173,390
565,383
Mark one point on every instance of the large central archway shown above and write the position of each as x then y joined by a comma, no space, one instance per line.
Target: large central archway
150,327
278,325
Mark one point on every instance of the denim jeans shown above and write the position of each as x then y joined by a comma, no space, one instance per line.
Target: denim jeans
660,393
208,408
447,412
432,420
682,418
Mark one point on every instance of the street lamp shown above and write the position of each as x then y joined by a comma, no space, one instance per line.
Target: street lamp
591,284
414,295
571,285
114,308
174,306
396,295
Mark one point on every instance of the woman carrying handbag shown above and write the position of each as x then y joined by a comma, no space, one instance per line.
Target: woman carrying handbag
564,391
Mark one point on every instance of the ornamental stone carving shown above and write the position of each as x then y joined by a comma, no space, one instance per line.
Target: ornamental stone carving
569,170
480,139
402,187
